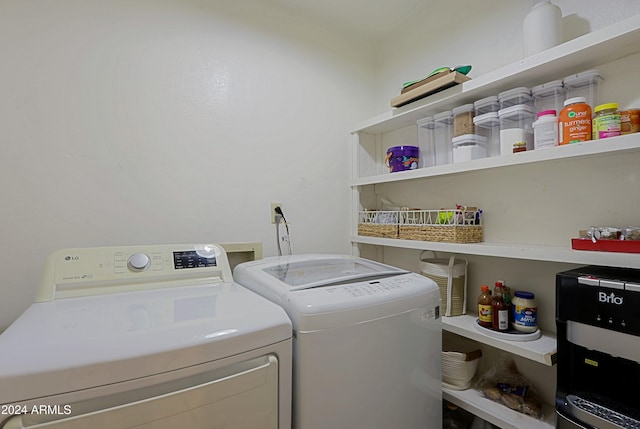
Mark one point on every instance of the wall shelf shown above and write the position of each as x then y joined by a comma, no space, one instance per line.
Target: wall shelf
533,252
593,148
543,350
473,401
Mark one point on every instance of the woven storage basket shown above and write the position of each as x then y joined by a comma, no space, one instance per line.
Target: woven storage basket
374,223
455,225
451,277
458,368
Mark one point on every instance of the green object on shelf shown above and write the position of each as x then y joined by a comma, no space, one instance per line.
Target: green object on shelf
460,69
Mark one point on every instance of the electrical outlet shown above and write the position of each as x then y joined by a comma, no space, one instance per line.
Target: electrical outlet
273,211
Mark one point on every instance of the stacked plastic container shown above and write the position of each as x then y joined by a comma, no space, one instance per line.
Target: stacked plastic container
426,142
520,119
443,133
487,124
516,120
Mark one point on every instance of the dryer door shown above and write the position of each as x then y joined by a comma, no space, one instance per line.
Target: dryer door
245,399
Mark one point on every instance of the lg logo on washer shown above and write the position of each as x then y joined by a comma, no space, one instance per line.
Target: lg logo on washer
610,299
72,258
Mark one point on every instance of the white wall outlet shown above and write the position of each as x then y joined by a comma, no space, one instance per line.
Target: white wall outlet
273,211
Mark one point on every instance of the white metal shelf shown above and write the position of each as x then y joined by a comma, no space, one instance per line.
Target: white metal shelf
592,148
591,50
543,350
533,252
473,401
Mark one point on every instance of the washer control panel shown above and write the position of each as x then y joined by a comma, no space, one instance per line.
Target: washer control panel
91,271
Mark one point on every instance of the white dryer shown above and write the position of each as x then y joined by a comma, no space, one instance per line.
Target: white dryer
147,337
367,340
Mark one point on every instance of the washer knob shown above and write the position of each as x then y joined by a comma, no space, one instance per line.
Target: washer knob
138,262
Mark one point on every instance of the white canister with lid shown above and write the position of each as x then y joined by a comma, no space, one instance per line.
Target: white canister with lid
525,312
468,147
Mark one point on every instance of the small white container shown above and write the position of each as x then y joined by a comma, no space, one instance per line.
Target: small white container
486,105
426,142
545,130
586,84
443,132
469,147
516,128
515,97
548,96
487,125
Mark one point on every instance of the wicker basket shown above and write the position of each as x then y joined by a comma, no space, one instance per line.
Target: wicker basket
448,225
378,223
451,277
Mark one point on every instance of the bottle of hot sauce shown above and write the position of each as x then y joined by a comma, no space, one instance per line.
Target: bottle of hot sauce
499,310
484,307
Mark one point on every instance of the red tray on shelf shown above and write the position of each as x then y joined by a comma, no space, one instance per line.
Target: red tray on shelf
624,246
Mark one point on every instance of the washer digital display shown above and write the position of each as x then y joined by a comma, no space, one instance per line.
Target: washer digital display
192,259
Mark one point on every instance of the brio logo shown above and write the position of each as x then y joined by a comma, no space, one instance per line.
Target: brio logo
610,299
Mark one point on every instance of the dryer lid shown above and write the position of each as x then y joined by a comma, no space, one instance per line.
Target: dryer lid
79,343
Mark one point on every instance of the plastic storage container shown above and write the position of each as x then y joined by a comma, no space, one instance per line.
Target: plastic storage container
426,142
548,96
487,125
606,121
401,158
463,120
545,130
486,105
516,128
468,147
515,97
443,133
586,84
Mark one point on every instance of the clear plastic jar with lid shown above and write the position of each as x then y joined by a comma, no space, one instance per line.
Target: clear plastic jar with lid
487,125
516,130
426,142
586,84
606,121
548,96
463,120
468,147
443,132
525,312
515,97
486,105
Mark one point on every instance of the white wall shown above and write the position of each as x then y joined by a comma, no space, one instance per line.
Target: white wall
170,121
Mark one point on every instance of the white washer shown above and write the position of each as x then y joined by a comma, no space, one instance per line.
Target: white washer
367,340
146,337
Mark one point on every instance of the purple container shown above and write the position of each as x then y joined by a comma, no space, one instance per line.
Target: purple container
401,158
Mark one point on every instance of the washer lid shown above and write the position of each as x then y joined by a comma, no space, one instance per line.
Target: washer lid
310,271
78,343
